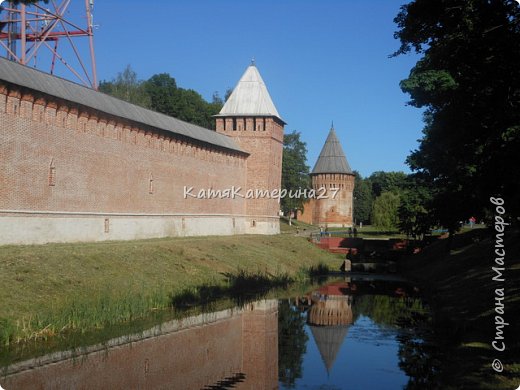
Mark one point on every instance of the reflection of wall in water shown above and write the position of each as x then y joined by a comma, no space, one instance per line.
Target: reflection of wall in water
189,354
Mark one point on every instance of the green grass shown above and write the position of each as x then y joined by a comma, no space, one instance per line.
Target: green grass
296,226
59,288
369,231
461,290
241,287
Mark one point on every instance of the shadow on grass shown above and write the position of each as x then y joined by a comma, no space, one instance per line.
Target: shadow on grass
241,287
95,319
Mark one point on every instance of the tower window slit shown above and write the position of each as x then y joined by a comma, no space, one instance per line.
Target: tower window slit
150,185
52,174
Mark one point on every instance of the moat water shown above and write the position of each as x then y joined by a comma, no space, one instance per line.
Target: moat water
346,333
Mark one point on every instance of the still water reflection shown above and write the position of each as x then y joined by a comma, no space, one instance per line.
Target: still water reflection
346,334
214,350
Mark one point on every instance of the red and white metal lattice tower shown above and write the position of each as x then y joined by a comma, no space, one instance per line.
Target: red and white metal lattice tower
34,34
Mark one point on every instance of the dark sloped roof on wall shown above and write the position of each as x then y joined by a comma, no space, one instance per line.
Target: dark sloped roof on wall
36,80
332,158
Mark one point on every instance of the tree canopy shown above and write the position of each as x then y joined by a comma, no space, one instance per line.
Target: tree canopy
161,93
387,181
184,104
469,84
363,199
127,87
368,191
295,172
385,211
415,218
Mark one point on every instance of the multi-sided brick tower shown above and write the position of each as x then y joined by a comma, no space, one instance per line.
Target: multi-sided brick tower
332,178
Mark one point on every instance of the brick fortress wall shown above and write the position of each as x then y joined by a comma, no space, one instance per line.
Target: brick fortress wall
70,173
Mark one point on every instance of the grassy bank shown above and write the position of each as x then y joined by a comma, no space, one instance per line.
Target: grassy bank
56,288
296,226
461,290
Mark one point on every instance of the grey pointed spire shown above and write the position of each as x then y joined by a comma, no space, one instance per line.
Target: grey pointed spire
332,158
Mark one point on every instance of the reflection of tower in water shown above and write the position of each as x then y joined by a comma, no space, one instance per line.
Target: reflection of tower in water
329,316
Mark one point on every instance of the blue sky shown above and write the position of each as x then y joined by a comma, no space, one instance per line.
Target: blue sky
322,61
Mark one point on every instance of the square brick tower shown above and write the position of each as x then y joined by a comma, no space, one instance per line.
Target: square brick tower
250,117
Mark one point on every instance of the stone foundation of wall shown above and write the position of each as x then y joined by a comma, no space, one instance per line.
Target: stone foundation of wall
47,228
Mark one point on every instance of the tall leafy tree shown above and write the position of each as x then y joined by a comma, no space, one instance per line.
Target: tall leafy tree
363,199
184,104
468,82
415,218
385,211
387,181
162,89
127,87
161,93
295,172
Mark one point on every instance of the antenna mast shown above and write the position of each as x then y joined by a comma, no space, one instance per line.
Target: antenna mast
33,34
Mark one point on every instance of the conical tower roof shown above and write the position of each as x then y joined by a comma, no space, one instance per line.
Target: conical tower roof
250,97
328,340
332,158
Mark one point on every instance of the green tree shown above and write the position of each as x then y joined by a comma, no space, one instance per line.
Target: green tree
162,89
385,211
362,199
295,172
468,82
184,104
160,93
387,181
126,87
415,217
